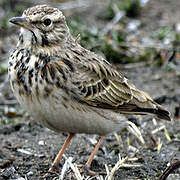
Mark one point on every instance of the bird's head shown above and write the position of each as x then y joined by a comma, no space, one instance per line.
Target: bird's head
42,25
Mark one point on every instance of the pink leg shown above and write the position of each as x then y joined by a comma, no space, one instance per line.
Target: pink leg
88,163
61,152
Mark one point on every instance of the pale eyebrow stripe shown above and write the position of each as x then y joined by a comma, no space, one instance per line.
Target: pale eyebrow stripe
36,22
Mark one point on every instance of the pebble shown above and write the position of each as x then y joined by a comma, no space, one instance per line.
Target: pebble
30,173
41,143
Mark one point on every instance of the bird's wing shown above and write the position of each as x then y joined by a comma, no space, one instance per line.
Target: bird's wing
100,85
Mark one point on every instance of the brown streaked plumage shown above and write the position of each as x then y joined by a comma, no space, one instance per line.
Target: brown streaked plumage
66,87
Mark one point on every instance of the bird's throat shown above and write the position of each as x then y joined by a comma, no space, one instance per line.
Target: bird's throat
25,38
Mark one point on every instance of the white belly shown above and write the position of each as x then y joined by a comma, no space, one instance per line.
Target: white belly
73,117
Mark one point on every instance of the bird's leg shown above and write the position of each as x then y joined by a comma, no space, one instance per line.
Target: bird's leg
61,152
88,163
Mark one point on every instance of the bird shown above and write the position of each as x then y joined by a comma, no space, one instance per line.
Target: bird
68,88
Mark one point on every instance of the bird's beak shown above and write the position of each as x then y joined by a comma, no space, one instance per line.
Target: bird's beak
20,21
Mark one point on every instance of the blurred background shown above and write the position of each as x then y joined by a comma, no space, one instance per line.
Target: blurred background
142,39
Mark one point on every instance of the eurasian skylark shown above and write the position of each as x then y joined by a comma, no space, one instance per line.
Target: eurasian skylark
67,87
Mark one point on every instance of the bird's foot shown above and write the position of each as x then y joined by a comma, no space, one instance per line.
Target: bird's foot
52,169
50,174
86,170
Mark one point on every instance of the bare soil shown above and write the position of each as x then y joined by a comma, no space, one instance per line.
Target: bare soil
27,149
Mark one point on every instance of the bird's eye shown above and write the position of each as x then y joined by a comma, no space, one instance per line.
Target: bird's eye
47,22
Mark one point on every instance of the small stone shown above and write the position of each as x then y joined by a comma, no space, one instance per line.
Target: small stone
41,143
30,173
177,26
133,25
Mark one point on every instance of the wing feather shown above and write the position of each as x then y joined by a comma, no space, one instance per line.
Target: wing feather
100,85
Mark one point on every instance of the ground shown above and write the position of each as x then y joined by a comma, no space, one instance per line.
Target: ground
27,149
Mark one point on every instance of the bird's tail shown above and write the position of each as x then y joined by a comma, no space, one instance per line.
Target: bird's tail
159,111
